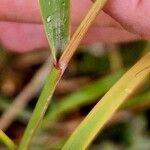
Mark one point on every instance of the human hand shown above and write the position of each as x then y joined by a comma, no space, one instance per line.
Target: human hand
21,29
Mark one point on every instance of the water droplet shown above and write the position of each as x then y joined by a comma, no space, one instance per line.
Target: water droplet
48,19
49,3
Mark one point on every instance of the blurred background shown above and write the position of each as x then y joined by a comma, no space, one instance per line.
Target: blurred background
90,74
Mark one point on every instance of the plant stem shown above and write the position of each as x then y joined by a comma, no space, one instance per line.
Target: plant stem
41,107
81,31
56,74
7,141
108,105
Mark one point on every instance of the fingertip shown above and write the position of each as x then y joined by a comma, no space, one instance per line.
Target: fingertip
20,11
133,15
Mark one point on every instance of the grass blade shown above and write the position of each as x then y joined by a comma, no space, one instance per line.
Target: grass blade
40,108
7,141
108,105
56,18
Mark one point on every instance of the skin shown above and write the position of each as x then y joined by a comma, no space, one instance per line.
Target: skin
21,27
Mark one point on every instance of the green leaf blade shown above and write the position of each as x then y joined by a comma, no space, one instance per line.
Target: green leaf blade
56,18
